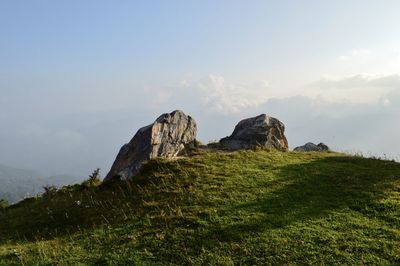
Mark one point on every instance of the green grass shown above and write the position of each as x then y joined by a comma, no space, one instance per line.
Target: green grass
241,208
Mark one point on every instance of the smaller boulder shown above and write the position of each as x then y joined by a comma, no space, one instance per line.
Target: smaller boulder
260,131
312,147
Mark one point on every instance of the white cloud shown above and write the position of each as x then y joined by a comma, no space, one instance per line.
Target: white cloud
386,102
356,54
338,111
224,97
216,94
380,61
213,94
356,89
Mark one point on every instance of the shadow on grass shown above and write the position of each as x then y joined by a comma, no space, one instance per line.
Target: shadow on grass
303,191
314,190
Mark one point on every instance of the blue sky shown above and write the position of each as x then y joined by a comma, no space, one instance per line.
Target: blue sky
150,40
80,77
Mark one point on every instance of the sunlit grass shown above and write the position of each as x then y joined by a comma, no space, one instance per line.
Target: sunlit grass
249,207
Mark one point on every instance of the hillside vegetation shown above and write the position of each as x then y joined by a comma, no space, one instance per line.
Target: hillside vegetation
215,208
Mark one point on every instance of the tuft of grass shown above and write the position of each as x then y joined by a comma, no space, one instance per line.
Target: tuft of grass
217,208
3,205
94,179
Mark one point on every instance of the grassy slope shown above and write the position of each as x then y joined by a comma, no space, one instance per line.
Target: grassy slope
221,209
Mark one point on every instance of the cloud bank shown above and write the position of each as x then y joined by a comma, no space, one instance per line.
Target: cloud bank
354,113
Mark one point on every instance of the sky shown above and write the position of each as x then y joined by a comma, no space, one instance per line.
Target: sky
79,78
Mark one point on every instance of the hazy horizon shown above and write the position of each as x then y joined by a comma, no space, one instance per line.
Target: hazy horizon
78,79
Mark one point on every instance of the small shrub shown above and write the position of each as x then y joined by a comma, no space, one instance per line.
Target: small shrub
190,149
49,190
197,143
70,188
94,179
3,204
214,145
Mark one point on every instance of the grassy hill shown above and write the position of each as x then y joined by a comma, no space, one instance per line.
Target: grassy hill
249,207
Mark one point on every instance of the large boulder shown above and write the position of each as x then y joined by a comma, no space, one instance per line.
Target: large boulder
260,131
312,147
168,136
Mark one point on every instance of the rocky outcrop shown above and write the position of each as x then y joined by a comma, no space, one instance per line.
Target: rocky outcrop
312,147
260,131
169,135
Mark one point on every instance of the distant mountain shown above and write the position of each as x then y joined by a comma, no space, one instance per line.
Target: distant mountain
16,184
62,180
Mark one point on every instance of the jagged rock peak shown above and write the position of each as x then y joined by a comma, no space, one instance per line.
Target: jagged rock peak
168,136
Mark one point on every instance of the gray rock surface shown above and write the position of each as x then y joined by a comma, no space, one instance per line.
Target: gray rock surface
169,135
312,147
260,131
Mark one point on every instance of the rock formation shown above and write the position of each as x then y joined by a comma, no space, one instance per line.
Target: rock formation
169,135
262,131
312,147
